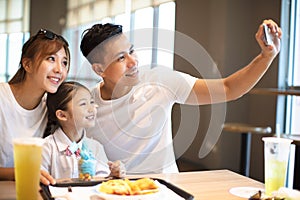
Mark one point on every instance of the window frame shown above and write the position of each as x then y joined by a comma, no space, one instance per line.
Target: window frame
286,71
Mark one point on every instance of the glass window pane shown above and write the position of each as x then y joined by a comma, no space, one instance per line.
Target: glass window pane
295,125
292,12
14,15
72,15
167,16
143,18
123,20
15,43
106,20
70,35
295,107
297,48
165,58
3,39
3,28
80,69
143,35
166,24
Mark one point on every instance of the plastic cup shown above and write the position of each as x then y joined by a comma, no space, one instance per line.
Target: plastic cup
27,158
276,151
87,169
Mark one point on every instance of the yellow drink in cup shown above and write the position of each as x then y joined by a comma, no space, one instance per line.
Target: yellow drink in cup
276,160
275,178
27,158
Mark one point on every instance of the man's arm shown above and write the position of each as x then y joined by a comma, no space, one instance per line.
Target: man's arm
208,91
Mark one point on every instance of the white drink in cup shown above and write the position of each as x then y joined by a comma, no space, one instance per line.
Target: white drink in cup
27,159
276,151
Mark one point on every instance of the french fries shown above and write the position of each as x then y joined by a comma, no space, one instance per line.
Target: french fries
128,187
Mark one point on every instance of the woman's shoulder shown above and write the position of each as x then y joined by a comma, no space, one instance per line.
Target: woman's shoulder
6,92
4,88
3,84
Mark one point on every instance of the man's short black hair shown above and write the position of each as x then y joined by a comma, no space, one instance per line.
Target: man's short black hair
96,35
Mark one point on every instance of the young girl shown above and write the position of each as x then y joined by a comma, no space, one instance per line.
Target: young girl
44,66
66,150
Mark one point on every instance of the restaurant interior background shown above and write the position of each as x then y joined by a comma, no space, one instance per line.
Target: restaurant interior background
226,29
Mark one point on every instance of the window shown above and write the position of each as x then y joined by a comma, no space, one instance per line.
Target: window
289,67
143,23
14,31
153,18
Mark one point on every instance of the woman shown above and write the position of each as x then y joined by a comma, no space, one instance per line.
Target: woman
44,65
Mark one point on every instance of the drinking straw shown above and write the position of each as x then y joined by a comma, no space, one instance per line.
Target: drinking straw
277,130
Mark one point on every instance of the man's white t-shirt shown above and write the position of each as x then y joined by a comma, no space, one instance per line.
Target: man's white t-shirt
15,121
136,128
59,165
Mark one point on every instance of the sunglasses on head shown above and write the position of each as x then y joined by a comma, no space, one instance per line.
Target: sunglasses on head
48,35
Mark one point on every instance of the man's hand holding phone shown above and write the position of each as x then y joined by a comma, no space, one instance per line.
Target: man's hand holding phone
268,37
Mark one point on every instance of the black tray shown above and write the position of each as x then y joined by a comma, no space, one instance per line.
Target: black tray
45,192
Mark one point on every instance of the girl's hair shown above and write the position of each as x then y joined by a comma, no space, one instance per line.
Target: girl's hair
39,46
59,101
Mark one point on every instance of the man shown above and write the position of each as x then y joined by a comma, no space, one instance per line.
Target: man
134,118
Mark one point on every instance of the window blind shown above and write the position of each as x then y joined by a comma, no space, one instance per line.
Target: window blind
138,4
84,11
14,16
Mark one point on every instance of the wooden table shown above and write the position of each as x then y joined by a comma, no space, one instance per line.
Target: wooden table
214,184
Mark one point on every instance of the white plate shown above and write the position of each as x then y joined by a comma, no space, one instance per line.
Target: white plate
152,196
245,192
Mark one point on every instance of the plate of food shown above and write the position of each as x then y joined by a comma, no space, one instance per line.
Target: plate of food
125,189
245,192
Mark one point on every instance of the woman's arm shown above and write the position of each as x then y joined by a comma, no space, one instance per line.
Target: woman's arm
46,178
7,174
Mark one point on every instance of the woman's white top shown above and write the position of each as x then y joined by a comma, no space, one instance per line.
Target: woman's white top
15,121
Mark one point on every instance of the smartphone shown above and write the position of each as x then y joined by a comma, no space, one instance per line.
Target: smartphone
268,37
